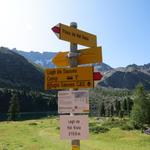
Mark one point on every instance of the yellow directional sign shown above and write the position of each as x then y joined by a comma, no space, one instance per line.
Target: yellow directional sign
86,56
74,35
65,78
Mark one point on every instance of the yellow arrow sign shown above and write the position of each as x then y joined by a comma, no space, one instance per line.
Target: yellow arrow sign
74,35
86,56
65,78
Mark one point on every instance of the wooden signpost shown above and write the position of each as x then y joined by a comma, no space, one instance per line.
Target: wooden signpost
74,127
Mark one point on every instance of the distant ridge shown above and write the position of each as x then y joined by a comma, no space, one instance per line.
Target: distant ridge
43,59
121,77
127,77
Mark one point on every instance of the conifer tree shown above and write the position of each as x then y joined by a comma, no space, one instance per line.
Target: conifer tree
124,105
112,110
117,107
140,114
14,107
102,110
129,105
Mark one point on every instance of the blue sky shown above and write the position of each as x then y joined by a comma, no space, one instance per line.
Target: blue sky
122,26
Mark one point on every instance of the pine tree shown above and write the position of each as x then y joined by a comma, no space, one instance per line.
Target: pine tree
102,110
117,107
14,107
124,106
112,110
148,108
129,105
140,114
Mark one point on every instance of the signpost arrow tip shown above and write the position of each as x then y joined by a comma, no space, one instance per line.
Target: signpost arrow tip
56,29
97,76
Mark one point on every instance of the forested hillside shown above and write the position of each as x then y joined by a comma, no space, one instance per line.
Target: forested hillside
17,72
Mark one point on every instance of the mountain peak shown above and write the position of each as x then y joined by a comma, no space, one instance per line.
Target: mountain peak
103,67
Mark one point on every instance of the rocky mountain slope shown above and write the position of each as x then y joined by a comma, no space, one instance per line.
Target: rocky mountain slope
43,59
127,77
17,72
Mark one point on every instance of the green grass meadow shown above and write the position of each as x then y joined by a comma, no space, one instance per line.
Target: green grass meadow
43,134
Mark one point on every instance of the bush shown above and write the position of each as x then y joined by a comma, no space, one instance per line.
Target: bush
113,123
57,128
33,123
92,124
127,127
98,129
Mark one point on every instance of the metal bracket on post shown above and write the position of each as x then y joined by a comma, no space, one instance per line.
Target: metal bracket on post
73,58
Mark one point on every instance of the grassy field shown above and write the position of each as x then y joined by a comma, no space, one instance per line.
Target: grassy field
43,134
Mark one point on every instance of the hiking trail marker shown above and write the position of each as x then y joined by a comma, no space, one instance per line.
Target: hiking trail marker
85,56
70,34
74,127
65,78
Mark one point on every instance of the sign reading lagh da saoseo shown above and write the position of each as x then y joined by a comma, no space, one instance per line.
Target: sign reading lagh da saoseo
64,78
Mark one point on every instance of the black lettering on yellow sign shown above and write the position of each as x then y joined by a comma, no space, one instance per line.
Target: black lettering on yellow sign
69,70
85,37
79,35
59,71
73,34
70,78
51,72
66,32
52,79
64,78
68,84
80,83
88,84
52,85
75,78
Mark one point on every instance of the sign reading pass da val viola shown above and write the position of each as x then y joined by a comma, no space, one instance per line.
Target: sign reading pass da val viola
73,35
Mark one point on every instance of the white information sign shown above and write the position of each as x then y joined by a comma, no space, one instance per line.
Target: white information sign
74,127
73,101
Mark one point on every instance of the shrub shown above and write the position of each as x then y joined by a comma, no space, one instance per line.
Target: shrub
98,129
127,127
32,123
57,128
113,123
